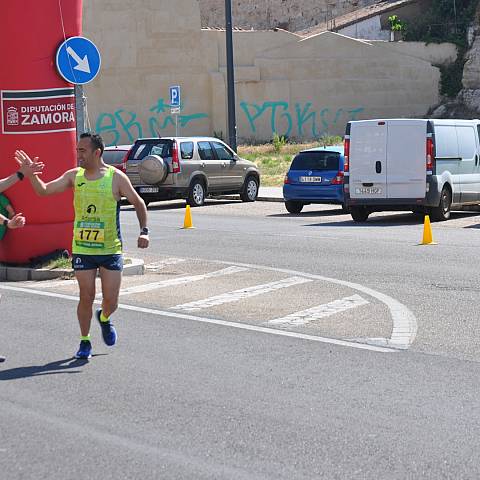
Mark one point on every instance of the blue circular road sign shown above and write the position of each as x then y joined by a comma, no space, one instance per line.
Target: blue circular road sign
78,60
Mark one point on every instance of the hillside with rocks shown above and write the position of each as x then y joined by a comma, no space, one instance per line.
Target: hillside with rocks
292,15
466,104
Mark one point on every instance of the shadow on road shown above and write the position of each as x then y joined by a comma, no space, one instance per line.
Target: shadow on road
316,213
52,368
394,219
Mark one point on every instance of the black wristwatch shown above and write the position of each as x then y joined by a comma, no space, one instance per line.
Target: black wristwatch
5,222
20,175
144,231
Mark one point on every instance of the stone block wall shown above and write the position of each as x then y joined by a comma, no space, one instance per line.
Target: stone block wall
292,15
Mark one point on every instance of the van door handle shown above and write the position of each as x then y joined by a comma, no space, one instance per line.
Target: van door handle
476,159
224,165
203,164
378,167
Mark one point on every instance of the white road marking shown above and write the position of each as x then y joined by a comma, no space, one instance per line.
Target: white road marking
154,267
151,267
241,326
321,311
40,293
179,281
241,294
404,321
56,283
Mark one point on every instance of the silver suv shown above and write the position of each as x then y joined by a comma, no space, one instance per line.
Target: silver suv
193,168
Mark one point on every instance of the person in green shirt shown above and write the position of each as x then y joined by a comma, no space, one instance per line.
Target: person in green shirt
8,218
7,211
97,241
15,220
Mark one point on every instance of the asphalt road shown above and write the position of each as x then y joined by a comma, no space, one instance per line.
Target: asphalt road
203,385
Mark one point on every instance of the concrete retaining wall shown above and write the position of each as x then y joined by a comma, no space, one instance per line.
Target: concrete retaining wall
300,87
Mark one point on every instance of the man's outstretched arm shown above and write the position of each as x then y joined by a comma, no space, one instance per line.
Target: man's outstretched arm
33,168
14,177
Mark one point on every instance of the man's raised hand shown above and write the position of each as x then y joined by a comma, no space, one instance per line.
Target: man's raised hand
28,166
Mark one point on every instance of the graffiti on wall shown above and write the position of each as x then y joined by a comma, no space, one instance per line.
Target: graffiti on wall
300,120
123,124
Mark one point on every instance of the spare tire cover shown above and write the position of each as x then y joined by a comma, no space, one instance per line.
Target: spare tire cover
153,169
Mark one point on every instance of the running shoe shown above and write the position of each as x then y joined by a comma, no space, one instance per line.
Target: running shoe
85,350
109,333
2,359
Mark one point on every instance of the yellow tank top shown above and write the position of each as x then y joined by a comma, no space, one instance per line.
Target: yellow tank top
96,229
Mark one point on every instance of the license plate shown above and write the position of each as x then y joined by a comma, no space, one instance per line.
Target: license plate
310,179
369,190
148,190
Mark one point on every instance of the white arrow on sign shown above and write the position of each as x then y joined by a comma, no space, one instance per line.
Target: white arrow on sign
83,65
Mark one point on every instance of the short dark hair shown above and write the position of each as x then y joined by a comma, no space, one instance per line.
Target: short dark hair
96,141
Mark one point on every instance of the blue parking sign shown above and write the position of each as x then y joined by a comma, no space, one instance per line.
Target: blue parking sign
78,60
175,96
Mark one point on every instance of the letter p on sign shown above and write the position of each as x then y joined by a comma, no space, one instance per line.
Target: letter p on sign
175,96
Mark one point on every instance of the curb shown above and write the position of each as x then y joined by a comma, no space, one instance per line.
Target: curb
21,274
269,199
258,199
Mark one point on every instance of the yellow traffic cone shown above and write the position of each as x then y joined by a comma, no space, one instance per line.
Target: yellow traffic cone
427,233
187,223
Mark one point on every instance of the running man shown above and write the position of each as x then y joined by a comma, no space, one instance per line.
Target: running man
97,242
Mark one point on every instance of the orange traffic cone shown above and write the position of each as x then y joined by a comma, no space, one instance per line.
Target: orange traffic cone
187,222
427,233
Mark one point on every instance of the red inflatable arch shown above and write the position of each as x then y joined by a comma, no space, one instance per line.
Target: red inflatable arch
37,109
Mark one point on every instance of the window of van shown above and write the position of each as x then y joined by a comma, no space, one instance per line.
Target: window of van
466,142
446,145
316,161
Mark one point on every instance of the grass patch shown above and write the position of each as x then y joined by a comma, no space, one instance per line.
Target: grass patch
274,162
62,263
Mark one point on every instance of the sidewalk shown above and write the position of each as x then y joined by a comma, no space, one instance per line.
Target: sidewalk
270,194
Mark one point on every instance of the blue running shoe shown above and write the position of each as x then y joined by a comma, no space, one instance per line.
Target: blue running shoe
109,333
85,350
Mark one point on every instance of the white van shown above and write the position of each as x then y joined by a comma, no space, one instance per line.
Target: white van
421,165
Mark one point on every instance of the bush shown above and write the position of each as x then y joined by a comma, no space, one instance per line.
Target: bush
396,25
451,77
326,140
278,142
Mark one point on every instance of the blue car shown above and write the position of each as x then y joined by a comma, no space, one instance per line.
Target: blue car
315,176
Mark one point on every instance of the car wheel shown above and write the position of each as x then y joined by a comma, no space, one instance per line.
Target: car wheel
442,212
249,191
293,207
196,194
359,214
